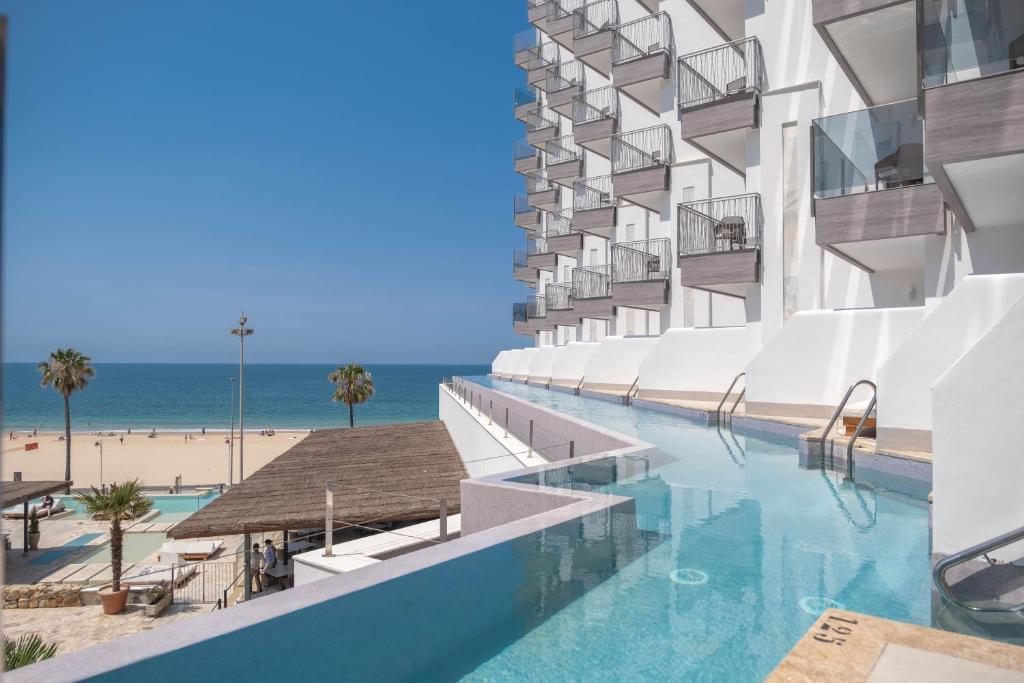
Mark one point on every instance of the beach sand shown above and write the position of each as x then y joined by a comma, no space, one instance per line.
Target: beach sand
201,461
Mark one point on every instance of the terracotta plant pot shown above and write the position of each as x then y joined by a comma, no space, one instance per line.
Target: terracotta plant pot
113,601
33,541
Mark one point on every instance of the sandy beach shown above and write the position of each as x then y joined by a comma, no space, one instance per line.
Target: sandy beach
202,460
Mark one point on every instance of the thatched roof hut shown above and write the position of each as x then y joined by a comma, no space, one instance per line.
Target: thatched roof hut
390,473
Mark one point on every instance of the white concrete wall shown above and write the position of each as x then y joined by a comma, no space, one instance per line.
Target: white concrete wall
508,365
951,328
523,361
543,361
978,468
570,364
617,361
698,360
500,361
819,354
481,453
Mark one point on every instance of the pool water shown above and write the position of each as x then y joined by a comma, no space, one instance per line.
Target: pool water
171,508
136,548
55,554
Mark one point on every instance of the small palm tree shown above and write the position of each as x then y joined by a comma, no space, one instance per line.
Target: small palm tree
124,503
67,371
355,385
27,649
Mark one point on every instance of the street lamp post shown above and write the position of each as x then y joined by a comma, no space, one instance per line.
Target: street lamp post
231,440
241,332
100,444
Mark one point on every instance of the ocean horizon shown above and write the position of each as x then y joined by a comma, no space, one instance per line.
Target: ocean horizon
193,396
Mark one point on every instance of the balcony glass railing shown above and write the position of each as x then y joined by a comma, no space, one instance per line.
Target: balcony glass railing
522,97
595,105
642,38
595,17
593,193
721,72
641,149
558,224
967,39
519,313
872,149
559,297
710,226
524,40
519,258
536,306
642,261
563,8
565,75
542,56
536,246
521,204
561,150
536,182
523,150
541,118
592,282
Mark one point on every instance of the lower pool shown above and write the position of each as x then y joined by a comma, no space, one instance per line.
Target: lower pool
136,548
172,508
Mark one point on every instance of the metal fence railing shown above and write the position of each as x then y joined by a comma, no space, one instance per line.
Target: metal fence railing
536,246
595,105
595,17
642,38
563,8
721,72
518,313
559,296
642,260
593,193
519,258
562,149
539,118
536,306
558,223
565,75
709,226
592,282
644,148
521,96
536,182
206,584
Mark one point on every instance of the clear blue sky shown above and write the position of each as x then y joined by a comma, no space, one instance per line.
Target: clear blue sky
342,170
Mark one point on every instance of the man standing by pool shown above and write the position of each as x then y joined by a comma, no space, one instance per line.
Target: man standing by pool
269,558
257,574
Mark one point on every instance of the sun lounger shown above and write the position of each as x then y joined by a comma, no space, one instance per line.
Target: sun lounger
17,512
159,573
190,551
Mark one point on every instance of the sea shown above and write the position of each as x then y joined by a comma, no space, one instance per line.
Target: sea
190,397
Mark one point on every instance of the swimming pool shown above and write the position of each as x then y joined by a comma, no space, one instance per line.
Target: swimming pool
136,548
172,508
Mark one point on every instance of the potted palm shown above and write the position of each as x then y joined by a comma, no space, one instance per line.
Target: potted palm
33,530
122,503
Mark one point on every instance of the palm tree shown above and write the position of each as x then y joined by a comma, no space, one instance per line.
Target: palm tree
27,649
124,503
355,385
67,371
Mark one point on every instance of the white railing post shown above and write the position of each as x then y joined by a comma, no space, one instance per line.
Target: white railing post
443,518
329,522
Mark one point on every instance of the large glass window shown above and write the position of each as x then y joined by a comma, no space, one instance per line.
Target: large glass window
966,39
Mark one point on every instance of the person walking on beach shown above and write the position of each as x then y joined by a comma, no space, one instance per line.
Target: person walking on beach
122,439
255,560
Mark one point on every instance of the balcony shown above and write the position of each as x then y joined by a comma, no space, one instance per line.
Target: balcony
541,193
561,236
563,83
565,160
642,53
559,304
527,158
592,292
873,198
720,243
874,42
526,216
595,119
973,80
594,33
520,323
539,254
729,16
521,269
524,101
594,206
641,164
537,12
541,57
720,98
524,44
641,273
541,126
561,19
536,313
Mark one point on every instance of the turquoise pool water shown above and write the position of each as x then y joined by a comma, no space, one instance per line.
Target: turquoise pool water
61,553
171,508
136,548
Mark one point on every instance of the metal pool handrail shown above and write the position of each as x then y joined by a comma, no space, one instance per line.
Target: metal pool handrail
725,396
944,565
860,425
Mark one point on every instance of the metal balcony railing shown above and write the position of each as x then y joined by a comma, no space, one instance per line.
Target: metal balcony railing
541,118
536,306
521,204
642,261
562,149
542,55
557,224
559,296
595,17
592,282
640,149
523,150
536,246
595,105
711,226
565,75
519,258
642,38
536,182
593,193
563,8
720,72
518,313
524,40
522,96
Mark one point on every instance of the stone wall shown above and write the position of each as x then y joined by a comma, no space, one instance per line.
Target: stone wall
41,595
